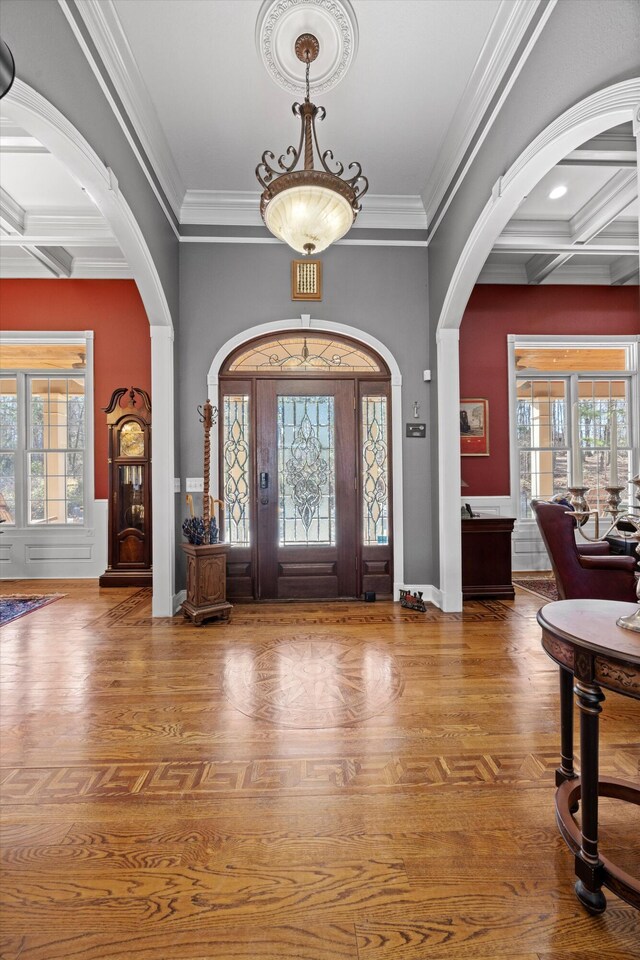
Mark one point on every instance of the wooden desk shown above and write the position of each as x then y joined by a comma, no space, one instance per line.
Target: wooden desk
582,637
486,557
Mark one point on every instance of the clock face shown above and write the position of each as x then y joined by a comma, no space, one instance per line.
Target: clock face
131,440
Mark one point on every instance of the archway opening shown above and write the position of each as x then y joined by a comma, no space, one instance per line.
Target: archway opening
607,108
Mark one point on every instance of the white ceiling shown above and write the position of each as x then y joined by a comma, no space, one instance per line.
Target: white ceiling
49,226
581,184
219,109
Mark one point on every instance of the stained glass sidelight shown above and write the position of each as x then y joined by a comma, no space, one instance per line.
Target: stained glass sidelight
306,470
375,466
236,470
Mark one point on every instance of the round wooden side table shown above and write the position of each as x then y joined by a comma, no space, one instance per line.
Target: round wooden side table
593,654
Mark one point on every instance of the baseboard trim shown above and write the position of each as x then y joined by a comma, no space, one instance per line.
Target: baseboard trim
178,599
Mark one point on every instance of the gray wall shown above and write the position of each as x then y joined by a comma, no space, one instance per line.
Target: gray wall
226,289
48,57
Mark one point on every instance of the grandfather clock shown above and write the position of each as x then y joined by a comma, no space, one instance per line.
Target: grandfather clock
129,426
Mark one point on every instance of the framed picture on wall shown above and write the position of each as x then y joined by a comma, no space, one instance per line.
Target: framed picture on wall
474,428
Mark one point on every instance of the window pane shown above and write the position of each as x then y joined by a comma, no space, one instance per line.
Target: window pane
8,414
8,487
236,470
592,359
306,471
56,475
543,474
8,443
541,426
603,411
541,413
375,488
44,356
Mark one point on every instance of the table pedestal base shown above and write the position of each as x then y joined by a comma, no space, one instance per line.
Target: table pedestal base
603,873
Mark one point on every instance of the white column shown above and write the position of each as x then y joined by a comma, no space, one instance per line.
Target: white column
448,354
636,133
162,470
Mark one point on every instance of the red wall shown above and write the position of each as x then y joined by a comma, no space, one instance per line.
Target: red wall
493,312
122,346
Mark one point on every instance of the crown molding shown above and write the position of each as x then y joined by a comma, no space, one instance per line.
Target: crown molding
624,270
525,233
503,273
102,22
494,73
12,215
69,223
23,268
569,273
93,268
221,208
242,209
80,268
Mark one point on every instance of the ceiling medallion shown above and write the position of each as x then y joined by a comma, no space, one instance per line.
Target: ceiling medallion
333,22
309,209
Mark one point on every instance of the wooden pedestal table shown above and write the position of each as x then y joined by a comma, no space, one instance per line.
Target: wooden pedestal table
593,653
206,582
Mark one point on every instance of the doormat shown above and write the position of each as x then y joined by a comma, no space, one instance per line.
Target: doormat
17,605
543,587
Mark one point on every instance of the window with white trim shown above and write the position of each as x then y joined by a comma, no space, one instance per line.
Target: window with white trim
573,422
44,423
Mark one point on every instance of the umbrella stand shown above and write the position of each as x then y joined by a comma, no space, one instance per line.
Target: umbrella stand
206,558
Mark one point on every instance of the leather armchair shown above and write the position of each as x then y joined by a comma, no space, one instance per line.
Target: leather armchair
581,571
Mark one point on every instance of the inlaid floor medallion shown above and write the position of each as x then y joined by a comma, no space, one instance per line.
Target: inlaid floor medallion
313,682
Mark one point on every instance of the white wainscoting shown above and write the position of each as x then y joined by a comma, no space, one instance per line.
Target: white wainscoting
62,553
527,549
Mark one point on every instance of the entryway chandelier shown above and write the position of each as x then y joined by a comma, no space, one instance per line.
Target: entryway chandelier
309,209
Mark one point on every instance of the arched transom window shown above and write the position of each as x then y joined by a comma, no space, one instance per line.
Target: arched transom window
299,353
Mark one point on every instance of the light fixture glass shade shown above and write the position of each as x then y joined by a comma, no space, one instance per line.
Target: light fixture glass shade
307,215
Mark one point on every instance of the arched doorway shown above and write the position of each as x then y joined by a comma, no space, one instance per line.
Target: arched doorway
603,109
305,467
34,113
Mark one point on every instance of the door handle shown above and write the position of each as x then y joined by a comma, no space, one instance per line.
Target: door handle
263,483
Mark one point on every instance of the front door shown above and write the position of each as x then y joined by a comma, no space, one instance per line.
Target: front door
304,469
307,470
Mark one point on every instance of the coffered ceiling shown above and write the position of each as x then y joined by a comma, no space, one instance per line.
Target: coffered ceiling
197,96
49,226
589,234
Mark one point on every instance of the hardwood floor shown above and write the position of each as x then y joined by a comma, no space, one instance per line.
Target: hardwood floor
174,792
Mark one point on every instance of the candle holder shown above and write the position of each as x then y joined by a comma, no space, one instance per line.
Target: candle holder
632,622
578,499
613,501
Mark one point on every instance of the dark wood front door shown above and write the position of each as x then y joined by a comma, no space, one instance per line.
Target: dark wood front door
306,472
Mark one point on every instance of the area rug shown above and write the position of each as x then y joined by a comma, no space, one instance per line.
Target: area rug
18,605
543,587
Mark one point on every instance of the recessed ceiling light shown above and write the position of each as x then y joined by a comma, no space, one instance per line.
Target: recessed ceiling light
557,192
